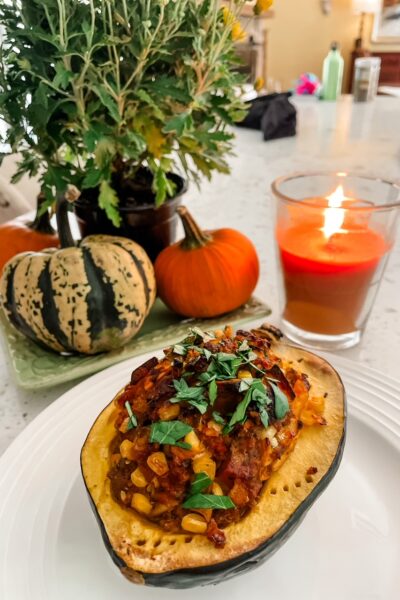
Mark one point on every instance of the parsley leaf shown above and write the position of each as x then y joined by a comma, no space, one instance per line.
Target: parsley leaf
281,402
212,391
208,501
169,432
200,483
132,419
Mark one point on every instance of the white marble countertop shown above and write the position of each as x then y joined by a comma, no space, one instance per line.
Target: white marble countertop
331,136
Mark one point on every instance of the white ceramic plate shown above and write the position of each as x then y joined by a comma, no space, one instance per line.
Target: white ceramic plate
348,547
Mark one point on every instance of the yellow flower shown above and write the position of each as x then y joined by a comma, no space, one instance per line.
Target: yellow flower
262,6
229,17
238,33
259,84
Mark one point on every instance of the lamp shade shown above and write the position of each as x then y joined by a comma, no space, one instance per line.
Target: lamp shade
366,6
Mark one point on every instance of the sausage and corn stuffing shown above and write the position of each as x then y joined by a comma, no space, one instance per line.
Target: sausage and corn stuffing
200,431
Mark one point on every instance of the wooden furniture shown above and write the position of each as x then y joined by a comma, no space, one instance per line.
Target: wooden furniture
390,67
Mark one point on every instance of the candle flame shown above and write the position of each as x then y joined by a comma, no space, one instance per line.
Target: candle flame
334,215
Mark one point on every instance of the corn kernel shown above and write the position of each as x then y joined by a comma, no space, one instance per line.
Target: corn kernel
192,439
244,374
138,478
204,464
216,489
159,509
204,512
141,503
125,449
194,523
169,412
158,463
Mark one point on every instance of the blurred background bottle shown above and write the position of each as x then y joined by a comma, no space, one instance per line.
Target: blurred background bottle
332,74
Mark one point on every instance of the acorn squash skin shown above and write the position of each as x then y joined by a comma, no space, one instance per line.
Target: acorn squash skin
249,559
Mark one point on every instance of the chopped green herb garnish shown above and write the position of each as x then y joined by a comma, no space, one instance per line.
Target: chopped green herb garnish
132,423
239,416
169,432
245,384
212,391
244,346
264,417
200,483
208,501
180,349
206,377
218,418
193,395
281,402
207,353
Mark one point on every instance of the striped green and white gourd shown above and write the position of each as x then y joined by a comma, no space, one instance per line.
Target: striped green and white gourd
87,299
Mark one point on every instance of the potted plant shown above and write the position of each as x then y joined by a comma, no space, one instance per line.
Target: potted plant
123,100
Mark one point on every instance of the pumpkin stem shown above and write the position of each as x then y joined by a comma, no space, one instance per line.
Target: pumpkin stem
41,222
64,231
194,236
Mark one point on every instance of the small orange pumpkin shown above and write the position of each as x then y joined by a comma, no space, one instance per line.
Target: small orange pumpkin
207,273
20,235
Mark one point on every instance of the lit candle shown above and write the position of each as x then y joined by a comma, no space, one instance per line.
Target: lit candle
329,257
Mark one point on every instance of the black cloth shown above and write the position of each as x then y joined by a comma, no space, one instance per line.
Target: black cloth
274,114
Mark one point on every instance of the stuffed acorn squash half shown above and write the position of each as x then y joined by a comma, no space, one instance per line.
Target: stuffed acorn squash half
208,460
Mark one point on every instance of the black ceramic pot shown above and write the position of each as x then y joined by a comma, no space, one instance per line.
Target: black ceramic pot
153,228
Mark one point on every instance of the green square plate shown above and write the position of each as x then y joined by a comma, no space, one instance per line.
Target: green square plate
36,368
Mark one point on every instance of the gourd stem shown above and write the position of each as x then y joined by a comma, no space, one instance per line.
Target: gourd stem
64,231
194,236
41,222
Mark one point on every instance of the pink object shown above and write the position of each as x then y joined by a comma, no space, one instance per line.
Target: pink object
308,84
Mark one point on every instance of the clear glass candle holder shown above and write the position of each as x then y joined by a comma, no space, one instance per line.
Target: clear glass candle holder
334,232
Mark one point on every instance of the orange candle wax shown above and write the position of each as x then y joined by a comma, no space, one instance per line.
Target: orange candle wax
327,279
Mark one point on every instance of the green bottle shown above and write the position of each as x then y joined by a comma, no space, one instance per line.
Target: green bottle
332,74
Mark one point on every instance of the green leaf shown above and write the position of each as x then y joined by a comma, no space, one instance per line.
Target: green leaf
92,178
209,501
132,419
105,151
239,416
224,356
108,201
160,186
90,138
62,77
245,384
212,391
108,102
145,97
264,417
218,418
207,353
200,483
180,349
179,123
281,402
169,432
